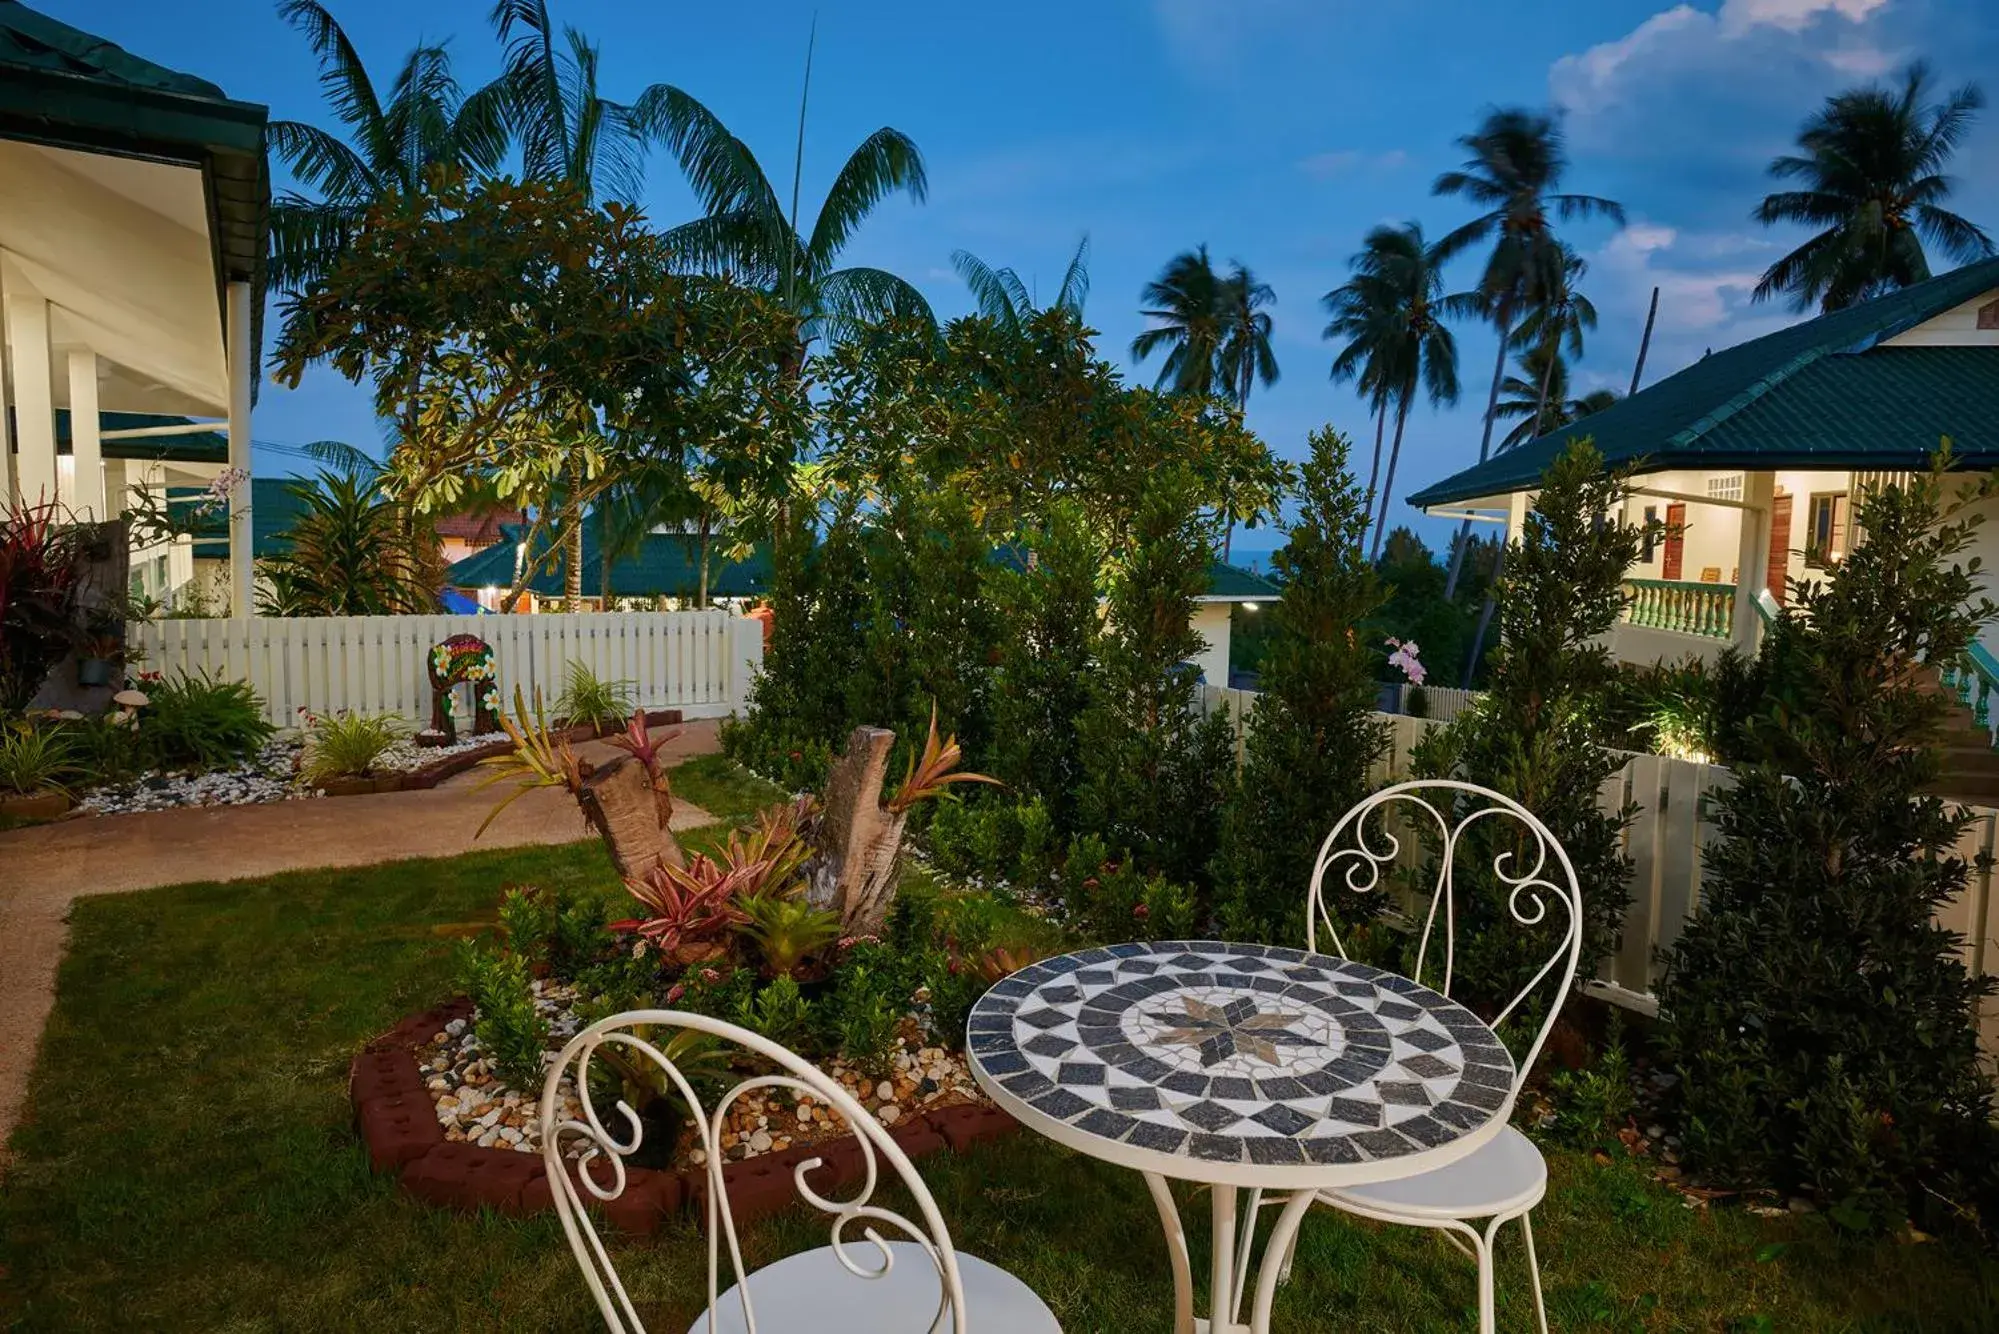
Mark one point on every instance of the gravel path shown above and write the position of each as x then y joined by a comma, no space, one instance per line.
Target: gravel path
44,867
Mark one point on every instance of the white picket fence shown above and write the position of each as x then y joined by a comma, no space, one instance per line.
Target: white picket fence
1445,703
697,661
1667,840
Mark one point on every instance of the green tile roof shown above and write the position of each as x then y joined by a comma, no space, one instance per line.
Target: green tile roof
1821,394
1232,583
207,447
666,565
274,508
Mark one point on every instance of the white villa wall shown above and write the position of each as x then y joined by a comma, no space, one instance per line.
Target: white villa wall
1211,622
1956,327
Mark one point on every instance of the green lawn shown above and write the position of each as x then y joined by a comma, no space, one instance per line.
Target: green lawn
188,1163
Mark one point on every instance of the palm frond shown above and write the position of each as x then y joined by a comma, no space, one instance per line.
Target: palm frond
724,174
1075,290
848,299
995,297
322,162
886,161
344,80
532,75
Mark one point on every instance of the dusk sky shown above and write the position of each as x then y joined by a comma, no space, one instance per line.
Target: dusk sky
1276,131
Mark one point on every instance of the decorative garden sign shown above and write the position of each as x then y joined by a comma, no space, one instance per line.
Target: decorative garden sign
466,658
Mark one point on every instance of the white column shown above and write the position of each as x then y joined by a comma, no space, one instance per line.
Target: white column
1517,505
242,375
1752,558
86,450
6,439
34,396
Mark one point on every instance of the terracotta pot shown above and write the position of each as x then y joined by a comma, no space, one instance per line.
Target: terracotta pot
35,805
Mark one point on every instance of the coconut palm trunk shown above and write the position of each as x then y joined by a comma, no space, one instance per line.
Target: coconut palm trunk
1374,468
1388,484
1484,445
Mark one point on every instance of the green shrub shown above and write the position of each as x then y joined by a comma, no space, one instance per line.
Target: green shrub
580,934
1594,1103
197,721
1035,862
527,920
867,1008
1312,735
778,1011
587,699
345,744
105,750
511,1031
1153,770
1820,1018
1533,735
35,759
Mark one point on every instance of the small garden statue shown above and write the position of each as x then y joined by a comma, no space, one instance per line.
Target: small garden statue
464,658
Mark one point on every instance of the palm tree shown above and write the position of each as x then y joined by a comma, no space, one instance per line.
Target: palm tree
1391,314
389,150
746,231
1185,305
1871,163
1244,359
1538,397
1559,316
1516,162
1005,300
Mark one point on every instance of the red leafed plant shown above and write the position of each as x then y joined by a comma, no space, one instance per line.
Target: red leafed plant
41,579
780,843
692,909
927,778
637,741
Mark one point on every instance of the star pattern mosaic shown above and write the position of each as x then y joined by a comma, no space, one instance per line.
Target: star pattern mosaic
1240,1053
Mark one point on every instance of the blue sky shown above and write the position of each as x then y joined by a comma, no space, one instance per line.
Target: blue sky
1277,131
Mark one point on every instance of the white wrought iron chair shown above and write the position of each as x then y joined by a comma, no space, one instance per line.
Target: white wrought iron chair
864,1285
1506,1177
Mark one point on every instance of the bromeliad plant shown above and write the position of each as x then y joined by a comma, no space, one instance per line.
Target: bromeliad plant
41,584
692,911
932,776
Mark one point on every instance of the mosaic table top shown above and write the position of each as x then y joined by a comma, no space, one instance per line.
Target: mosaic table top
1240,1064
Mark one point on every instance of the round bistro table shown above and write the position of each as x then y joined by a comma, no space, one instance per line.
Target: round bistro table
1243,1067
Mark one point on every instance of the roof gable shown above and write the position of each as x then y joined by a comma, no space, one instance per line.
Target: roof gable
1814,371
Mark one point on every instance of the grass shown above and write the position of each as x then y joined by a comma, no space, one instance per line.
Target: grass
723,788
188,1162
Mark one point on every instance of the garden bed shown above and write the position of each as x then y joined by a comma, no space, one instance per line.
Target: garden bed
399,1093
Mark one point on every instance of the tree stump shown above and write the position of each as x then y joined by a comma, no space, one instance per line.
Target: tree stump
859,839
632,815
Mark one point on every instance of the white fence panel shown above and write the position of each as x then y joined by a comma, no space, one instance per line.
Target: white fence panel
698,661
1445,704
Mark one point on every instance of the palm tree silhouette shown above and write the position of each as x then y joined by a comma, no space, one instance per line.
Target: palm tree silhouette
1391,314
1005,299
1517,159
1871,170
1185,305
1537,397
390,147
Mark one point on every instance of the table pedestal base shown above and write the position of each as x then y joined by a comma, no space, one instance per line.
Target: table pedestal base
1233,1221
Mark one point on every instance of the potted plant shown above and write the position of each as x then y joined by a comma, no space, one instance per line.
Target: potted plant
34,761
99,657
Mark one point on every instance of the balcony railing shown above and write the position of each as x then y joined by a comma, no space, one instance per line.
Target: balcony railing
1687,608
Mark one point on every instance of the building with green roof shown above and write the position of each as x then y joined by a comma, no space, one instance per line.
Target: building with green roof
134,206
1747,464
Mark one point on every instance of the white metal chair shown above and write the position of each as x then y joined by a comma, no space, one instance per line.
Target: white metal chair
915,1283
1506,1177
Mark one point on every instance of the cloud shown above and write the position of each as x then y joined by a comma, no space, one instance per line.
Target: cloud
1341,161
1683,37
1704,279
1212,39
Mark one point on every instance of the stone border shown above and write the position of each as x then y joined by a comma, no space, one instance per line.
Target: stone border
430,775
398,1123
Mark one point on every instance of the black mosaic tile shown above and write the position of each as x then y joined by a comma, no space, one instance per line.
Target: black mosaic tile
1060,1104
1143,967
1210,947
1362,971
1244,965
1240,981
1461,1116
1086,1074
1028,1084
1328,1150
1150,1069
1427,1066
1192,980
1282,1087
1209,1116
1354,1111
1396,982
1425,1039
1400,1094
1035,973
990,1042
1382,1143
1272,1151
1064,963
1354,1069
1121,1053
1063,995
1151,1135
1395,1010
1463,1022
1239,1009
1093,956
1231,1086
1111,1125
1047,1044
1044,1018
1186,1081
1094,976
1335,1006
1215,1148
1284,954
1135,1100
1492,1076
1002,1063
1480,1095
1187,960
1271,986
1323,1082
1127,950
1426,1131
1357,990
1011,987
991,1004
989,1023
1282,1119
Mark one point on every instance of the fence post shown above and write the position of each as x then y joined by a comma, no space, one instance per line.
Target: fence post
746,660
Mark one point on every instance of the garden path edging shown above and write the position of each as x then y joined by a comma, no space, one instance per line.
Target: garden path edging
398,1122
430,775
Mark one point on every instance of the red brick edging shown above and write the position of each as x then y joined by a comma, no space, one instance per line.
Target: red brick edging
430,775
398,1123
